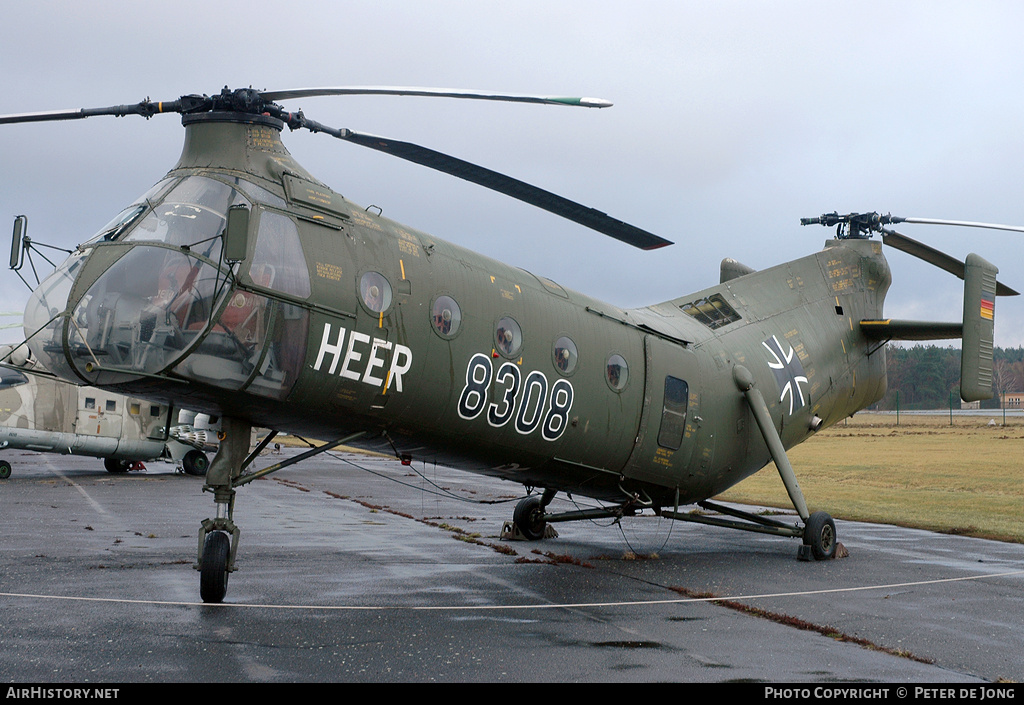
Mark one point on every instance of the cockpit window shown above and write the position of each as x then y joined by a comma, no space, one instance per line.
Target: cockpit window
278,262
193,214
259,194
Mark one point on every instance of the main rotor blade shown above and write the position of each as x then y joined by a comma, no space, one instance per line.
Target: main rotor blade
594,219
435,93
933,256
145,108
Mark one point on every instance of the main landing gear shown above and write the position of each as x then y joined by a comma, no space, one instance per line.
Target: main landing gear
218,537
818,532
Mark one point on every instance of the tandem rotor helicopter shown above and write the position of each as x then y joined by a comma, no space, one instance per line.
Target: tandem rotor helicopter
240,285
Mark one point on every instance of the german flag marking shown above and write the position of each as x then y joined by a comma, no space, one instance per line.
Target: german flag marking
988,308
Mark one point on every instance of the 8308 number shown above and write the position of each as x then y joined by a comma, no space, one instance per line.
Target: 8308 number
523,400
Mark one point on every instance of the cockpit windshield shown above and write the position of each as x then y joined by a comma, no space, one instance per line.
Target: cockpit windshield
126,218
192,215
161,300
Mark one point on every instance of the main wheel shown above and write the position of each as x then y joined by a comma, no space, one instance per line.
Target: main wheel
213,576
529,518
195,462
115,465
5,469
820,535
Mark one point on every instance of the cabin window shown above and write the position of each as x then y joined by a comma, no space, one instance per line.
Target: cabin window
134,408
673,413
375,291
445,316
154,410
90,403
617,372
508,336
111,405
565,355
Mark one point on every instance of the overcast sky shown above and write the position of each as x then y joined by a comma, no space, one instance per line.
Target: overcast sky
732,120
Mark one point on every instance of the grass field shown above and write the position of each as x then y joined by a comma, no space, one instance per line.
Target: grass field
965,478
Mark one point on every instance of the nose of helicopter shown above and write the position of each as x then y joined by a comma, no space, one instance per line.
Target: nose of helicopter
44,320
122,313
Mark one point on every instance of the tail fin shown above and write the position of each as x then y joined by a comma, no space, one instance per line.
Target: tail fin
979,327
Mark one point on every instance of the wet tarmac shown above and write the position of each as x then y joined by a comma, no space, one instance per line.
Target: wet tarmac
359,569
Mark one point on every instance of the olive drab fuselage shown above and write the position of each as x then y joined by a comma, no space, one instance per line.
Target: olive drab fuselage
339,320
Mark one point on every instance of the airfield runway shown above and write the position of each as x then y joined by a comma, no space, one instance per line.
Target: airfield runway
354,568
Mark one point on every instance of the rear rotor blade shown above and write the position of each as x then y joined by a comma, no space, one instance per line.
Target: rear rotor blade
933,256
964,223
436,93
509,186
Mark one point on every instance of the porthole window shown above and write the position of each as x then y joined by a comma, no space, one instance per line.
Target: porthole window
565,355
508,336
445,316
617,372
375,292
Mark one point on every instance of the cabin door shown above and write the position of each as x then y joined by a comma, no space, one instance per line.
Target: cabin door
668,426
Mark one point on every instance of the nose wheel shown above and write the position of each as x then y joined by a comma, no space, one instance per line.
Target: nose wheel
214,570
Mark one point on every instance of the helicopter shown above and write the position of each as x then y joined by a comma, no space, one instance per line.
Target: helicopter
48,415
243,286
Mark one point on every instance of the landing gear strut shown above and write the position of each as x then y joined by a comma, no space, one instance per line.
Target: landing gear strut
532,520
819,533
218,537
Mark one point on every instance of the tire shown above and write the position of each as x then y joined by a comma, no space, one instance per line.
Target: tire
529,518
195,462
5,469
820,535
213,575
115,465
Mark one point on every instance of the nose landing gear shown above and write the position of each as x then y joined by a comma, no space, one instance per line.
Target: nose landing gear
218,537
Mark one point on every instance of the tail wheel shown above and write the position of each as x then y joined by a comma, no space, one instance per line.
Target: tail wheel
529,518
213,575
820,535
5,469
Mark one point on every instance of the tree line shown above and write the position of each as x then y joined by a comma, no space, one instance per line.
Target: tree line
928,377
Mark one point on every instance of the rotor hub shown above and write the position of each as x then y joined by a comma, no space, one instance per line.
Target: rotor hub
244,118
